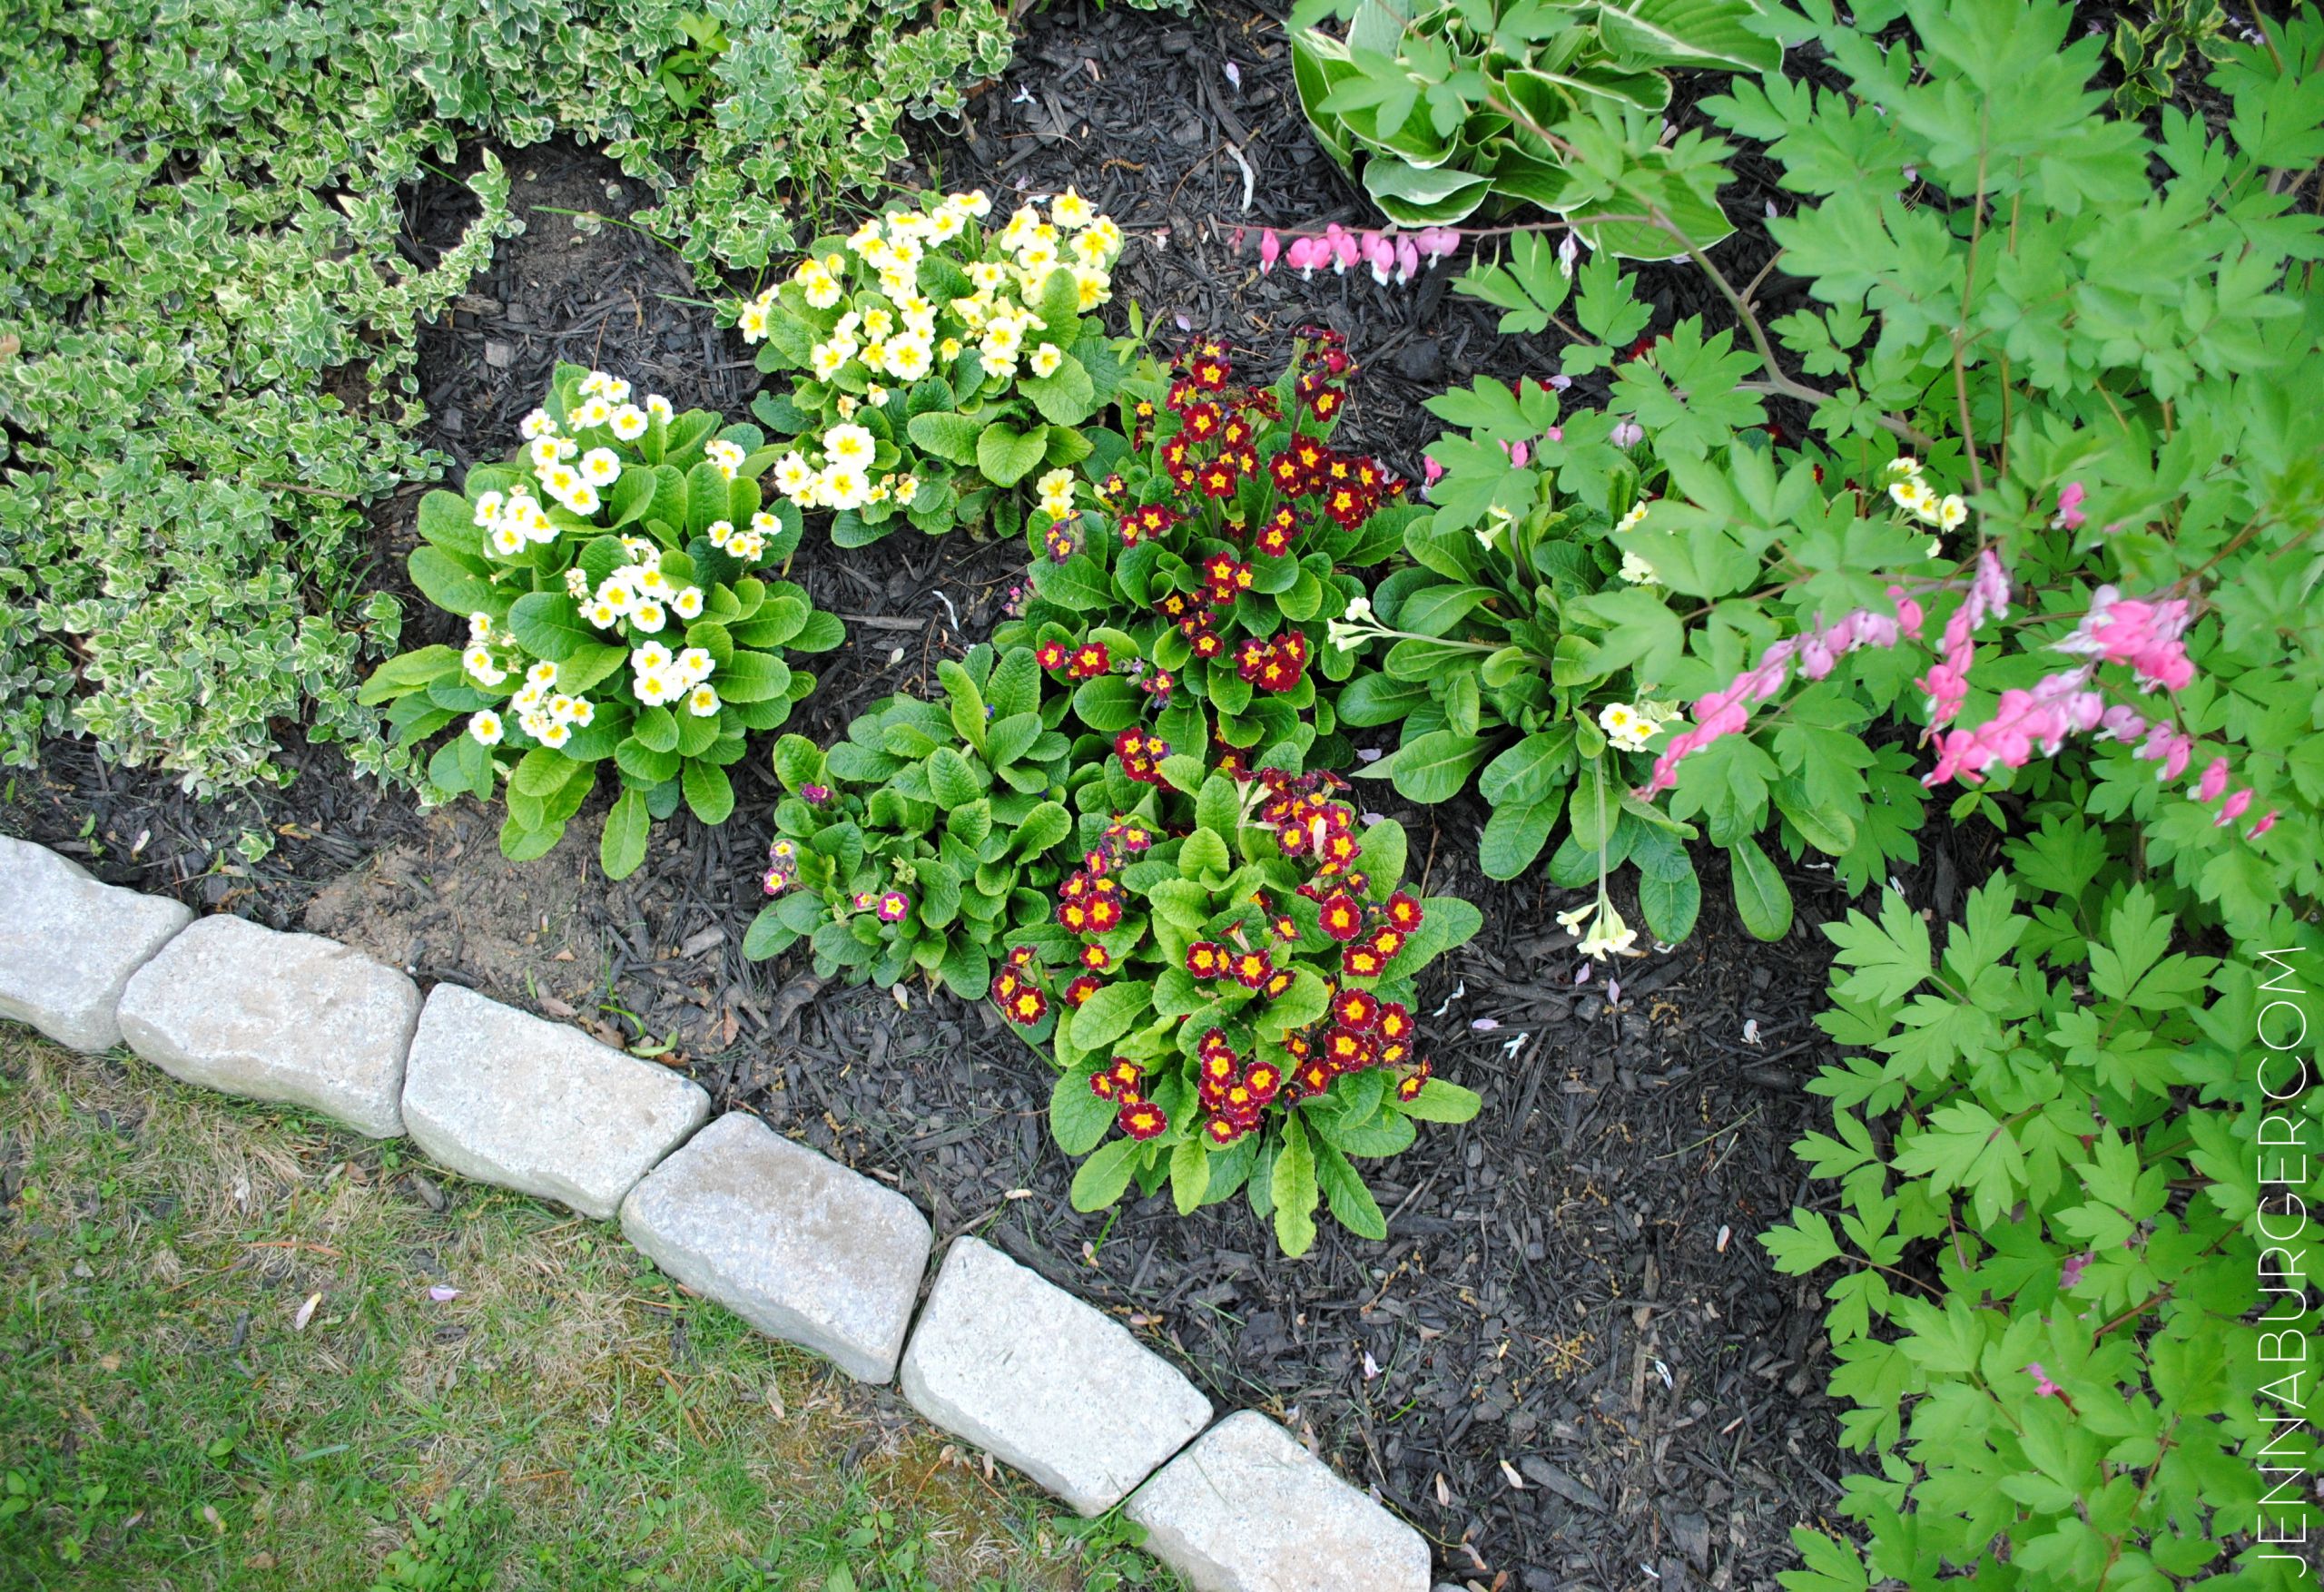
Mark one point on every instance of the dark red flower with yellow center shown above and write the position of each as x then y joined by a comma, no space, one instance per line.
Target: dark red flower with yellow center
1356,1008
1206,960
1361,962
1251,968
1223,1133
1004,985
1075,886
1263,1080
1217,1069
1340,849
1403,911
1173,452
1236,433
1073,916
1294,645
1027,1006
1230,763
1408,1088
1105,915
1201,421
1143,1120
1209,372
1279,983
1129,1076
1347,1050
1172,606
1022,956
1387,940
1214,1043
1050,654
1325,403
1392,1051
1277,674
1275,537
1342,917
1218,479
1096,957
1310,453
1395,1022
1090,660
1345,506
1154,518
1314,1075
1218,571
1283,926
1080,990
1209,645
1298,1044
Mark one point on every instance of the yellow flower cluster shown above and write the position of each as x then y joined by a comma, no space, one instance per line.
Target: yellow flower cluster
892,331
548,715
1056,492
566,464
1916,497
639,595
661,676
1630,726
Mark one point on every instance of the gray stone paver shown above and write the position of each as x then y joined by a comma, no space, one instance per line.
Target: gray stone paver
1028,1372
505,1097
68,943
794,1242
243,1009
1247,1509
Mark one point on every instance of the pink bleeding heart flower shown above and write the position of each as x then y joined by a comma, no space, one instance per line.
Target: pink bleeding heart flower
1270,251
2070,497
2264,825
2214,781
1407,260
2070,1273
2235,808
1380,255
1345,250
2043,1386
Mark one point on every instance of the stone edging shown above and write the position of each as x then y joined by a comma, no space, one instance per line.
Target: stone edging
802,1248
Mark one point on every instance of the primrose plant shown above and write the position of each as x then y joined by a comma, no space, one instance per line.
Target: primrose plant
913,845
1226,984
1226,529
606,577
936,364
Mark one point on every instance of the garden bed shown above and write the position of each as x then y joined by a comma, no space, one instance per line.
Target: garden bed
1571,1362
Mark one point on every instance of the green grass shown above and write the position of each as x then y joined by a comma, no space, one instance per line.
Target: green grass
220,1367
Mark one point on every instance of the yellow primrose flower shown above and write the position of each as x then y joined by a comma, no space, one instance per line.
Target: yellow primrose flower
1091,288
1632,520
1046,359
878,323
1072,211
950,349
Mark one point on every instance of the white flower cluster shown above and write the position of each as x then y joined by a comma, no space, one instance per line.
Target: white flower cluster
569,469
897,333
663,676
1636,570
1630,726
482,661
748,545
512,520
639,594
1916,497
1607,931
844,480
547,715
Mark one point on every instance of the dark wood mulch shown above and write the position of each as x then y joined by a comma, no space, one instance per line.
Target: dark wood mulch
1571,1365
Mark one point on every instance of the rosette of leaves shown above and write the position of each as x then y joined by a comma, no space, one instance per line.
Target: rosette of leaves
952,805
1474,108
1155,542
966,434
1224,881
526,620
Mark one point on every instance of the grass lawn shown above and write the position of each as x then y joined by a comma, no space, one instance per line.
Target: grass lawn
240,1348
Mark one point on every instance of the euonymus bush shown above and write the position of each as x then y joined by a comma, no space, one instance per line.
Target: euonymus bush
2058,517
206,364
913,845
606,577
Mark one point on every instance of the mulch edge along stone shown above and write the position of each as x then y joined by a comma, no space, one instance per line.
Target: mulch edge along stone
802,1248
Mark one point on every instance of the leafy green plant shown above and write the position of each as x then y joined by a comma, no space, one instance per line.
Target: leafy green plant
449,1549
604,577
685,72
1226,529
2080,380
1227,980
913,846
941,364
1443,109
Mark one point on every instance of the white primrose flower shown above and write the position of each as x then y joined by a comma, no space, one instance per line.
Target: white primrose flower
485,726
1638,571
542,674
703,701
629,422
597,412
1046,359
648,617
480,626
582,500
794,477
1633,519
508,541
693,664
1070,210
719,530
1625,726
851,446
687,603
488,508
727,455
480,663
577,584
650,657
535,425
554,735
601,614
659,408
1608,934
1951,512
